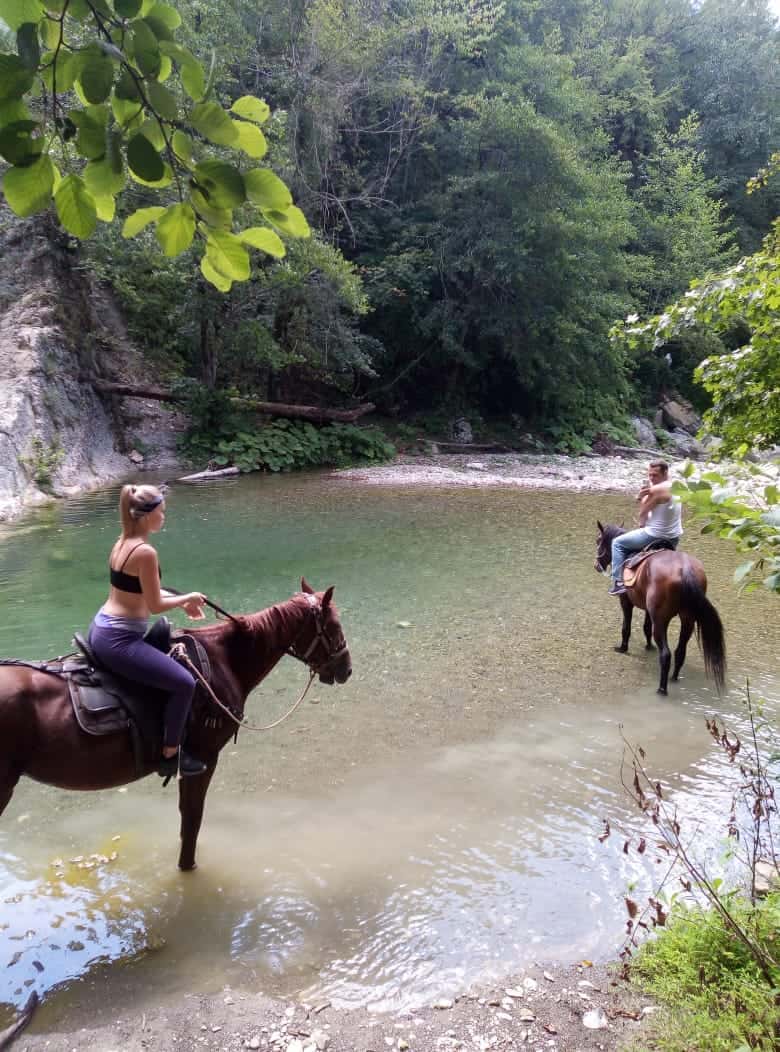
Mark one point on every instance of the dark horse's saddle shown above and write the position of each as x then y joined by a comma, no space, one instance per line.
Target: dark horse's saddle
104,703
632,564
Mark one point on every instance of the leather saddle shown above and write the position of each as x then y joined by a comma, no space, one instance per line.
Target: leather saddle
633,563
104,703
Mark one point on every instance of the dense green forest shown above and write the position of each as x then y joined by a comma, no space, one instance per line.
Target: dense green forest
491,185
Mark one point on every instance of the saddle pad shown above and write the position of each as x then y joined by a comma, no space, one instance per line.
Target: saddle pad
631,567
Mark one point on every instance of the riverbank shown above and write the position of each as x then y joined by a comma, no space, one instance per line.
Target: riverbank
559,1009
519,470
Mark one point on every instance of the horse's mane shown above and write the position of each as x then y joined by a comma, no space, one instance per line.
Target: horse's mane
264,622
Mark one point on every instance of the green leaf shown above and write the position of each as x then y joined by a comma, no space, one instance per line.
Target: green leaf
252,109
126,87
772,494
127,8
153,132
176,229
182,147
101,180
27,45
165,15
66,68
13,110
267,190
219,281
76,207
143,160
214,124
227,255
126,111
96,77
222,184
264,239
28,190
687,471
222,218
16,12
146,50
292,221
105,208
91,138
165,180
15,78
251,140
50,33
190,70
17,145
162,100
140,219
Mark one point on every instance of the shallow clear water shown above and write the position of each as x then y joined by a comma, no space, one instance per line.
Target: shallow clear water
433,822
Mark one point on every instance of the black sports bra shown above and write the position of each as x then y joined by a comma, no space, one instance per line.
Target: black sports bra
127,582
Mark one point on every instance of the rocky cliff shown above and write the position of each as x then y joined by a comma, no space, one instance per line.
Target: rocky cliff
58,330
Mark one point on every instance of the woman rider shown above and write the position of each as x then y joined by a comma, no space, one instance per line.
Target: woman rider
116,634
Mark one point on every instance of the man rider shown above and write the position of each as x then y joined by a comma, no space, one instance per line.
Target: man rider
660,517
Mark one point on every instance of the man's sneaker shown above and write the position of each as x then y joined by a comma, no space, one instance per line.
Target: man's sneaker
180,763
618,588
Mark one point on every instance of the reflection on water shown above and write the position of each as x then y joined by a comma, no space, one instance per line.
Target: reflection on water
433,822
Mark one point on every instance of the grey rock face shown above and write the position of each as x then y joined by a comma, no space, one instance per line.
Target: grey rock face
644,431
678,415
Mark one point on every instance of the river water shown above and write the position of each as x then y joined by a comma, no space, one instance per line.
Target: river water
432,823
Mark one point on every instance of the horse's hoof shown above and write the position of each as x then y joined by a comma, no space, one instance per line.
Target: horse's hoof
662,691
649,646
188,869
621,650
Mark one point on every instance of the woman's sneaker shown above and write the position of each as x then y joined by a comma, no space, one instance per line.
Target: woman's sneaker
618,588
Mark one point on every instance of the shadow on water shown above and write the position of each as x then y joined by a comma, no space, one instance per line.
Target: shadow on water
432,823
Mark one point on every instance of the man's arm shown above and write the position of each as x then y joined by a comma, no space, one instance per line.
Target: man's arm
651,496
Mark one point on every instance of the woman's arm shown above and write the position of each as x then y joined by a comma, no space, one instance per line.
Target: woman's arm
159,603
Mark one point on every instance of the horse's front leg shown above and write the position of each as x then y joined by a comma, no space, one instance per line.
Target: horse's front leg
648,630
628,610
192,797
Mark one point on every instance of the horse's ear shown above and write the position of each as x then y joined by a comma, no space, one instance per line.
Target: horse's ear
327,597
306,587
601,528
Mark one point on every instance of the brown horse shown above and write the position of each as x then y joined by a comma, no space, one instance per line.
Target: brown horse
40,738
670,584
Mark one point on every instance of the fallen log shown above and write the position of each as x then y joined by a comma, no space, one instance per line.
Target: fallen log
217,473
317,414
470,447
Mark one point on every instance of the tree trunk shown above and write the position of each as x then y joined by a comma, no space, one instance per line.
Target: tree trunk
317,414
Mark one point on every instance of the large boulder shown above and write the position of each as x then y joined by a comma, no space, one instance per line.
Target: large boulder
680,415
685,445
644,431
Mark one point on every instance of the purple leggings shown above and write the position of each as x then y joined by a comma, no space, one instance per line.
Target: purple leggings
117,643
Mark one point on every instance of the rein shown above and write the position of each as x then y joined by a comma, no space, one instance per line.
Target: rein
181,655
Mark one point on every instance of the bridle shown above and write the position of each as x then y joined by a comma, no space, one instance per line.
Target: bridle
333,649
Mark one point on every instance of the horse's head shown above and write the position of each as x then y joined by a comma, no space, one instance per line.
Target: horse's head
322,645
604,539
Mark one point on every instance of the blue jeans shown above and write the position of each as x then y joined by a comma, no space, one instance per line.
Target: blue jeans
624,545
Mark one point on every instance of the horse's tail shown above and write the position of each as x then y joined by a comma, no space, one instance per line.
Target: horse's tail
709,627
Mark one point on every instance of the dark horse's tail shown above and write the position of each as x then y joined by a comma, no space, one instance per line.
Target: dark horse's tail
709,627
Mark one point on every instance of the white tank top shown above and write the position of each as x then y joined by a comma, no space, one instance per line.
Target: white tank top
665,520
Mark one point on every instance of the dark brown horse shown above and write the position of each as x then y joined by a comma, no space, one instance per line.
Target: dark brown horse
39,736
669,584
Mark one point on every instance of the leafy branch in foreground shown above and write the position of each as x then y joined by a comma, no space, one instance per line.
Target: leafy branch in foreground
742,931
95,93
742,506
